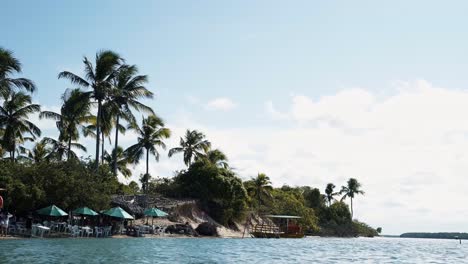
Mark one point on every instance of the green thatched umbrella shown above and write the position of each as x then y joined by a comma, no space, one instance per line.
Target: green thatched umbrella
118,212
155,212
51,211
85,211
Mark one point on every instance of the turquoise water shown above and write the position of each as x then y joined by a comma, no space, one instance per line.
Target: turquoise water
189,250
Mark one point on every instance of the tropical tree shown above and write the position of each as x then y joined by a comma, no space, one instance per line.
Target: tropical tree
14,121
218,158
61,149
128,89
352,188
10,65
74,112
151,136
39,153
194,146
259,187
98,78
329,193
122,161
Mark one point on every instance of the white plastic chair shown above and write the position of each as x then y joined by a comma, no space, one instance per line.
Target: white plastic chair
98,231
74,231
107,231
162,231
88,232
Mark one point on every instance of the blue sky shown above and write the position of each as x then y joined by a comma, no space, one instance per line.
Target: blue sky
247,50
309,92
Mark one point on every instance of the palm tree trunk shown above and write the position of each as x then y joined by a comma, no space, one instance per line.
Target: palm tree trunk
102,147
12,156
147,160
114,156
351,208
98,124
69,148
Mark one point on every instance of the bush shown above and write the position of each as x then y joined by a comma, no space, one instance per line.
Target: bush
219,191
68,185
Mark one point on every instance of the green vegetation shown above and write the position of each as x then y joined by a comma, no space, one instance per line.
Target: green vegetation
68,185
50,172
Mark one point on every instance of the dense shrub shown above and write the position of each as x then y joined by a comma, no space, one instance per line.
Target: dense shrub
68,185
219,191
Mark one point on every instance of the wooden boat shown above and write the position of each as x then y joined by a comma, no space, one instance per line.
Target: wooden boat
280,226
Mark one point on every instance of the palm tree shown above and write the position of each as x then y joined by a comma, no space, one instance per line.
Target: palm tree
122,161
218,158
352,189
150,136
74,112
260,187
128,90
14,115
61,149
98,78
39,153
194,146
329,193
10,65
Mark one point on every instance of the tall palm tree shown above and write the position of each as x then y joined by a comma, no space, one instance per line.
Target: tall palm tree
61,149
151,135
194,146
14,115
74,112
218,158
353,188
329,193
129,88
98,78
9,65
122,161
260,187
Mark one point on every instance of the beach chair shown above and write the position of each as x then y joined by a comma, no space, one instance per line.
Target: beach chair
88,232
74,231
98,231
162,231
107,231
12,229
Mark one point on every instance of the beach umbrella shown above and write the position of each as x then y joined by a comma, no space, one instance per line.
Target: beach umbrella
118,212
155,212
51,211
84,211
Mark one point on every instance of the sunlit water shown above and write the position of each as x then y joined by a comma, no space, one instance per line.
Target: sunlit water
181,250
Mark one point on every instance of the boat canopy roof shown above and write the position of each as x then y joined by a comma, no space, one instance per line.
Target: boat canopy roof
283,216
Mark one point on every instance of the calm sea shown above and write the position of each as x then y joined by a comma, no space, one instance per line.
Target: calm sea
187,250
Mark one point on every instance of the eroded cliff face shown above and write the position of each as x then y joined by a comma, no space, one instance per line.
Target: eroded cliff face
182,212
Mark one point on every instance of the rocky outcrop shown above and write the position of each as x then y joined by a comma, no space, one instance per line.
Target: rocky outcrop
207,229
181,229
136,204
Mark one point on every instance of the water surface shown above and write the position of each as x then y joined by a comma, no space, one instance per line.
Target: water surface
189,250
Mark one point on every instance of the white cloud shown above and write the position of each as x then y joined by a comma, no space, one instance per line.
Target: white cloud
408,149
273,113
221,103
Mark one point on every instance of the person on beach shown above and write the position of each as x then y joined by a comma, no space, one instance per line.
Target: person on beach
4,223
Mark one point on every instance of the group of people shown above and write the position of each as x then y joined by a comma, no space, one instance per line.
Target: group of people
4,221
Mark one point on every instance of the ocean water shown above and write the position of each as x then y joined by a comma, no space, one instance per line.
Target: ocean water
190,250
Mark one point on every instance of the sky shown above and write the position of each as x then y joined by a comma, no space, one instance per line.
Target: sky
308,92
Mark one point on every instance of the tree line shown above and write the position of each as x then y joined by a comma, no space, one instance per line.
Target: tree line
115,91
